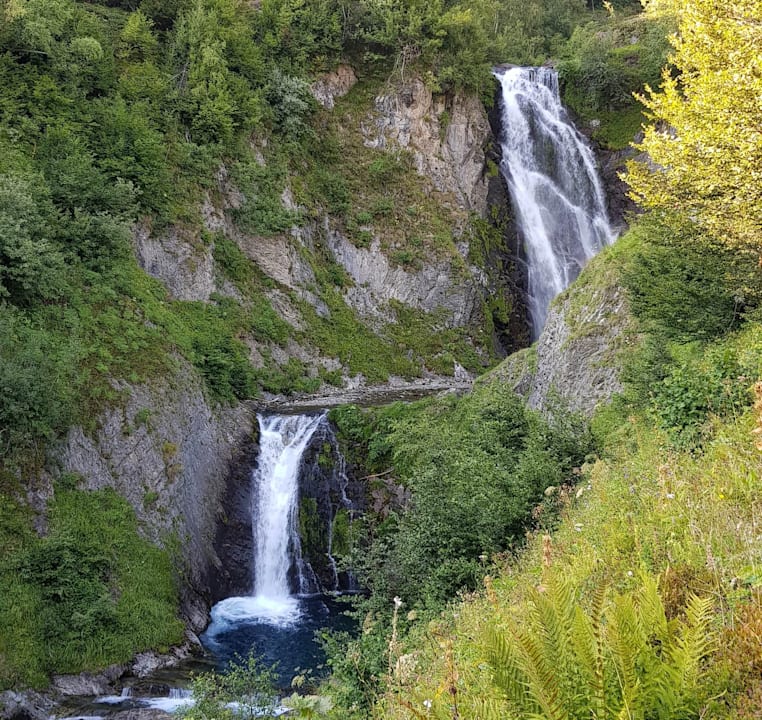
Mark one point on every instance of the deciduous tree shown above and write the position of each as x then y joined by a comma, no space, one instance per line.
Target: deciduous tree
705,138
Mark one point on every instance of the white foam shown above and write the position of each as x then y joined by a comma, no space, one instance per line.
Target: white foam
168,704
279,611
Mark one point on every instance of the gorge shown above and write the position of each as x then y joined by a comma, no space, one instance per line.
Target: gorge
309,305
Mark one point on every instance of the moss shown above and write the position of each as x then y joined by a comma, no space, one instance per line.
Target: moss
312,530
341,533
617,129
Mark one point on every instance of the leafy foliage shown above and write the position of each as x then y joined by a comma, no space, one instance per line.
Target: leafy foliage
704,141
244,689
94,592
472,470
621,658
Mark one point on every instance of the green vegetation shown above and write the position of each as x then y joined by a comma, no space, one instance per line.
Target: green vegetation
89,593
708,161
637,592
604,63
644,600
452,481
644,510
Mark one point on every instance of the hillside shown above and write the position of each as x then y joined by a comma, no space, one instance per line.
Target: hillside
208,206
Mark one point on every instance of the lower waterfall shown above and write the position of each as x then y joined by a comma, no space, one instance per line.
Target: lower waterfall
283,440
274,512
278,620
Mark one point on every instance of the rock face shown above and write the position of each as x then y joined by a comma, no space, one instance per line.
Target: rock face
332,85
612,164
447,137
435,287
182,262
26,705
578,357
169,453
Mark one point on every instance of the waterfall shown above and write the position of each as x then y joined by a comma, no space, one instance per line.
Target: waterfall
283,440
551,174
275,528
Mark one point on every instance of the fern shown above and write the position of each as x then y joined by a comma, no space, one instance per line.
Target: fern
621,660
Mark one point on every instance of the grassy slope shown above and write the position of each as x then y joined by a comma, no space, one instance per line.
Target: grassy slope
690,517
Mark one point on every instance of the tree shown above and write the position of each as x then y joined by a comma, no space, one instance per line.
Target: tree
704,142
31,268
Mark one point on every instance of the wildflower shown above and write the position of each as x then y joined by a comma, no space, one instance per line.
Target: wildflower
427,704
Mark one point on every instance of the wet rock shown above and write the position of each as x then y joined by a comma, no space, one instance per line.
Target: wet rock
27,705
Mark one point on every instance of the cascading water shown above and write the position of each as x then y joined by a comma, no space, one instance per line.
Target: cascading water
554,186
283,440
278,621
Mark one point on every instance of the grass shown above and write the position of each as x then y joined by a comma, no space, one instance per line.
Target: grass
689,517
90,593
618,128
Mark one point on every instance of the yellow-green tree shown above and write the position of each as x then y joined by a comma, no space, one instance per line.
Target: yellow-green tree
705,138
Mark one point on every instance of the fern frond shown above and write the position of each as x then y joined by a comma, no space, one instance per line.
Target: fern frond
651,606
542,675
625,639
690,648
507,674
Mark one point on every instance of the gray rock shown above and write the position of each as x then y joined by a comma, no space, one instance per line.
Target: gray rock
435,287
168,452
141,714
446,136
27,705
332,85
578,357
182,262
86,683
145,664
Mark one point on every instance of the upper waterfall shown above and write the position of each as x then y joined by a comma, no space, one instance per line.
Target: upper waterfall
551,174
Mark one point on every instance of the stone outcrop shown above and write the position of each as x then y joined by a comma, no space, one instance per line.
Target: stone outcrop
578,358
180,260
27,705
332,85
168,452
436,287
446,135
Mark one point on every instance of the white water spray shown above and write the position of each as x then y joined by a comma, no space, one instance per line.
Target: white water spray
554,185
275,527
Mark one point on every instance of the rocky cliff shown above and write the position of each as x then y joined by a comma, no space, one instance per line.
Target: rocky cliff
379,263
576,363
169,453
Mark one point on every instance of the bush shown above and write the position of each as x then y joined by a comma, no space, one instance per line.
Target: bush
473,469
98,591
37,371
